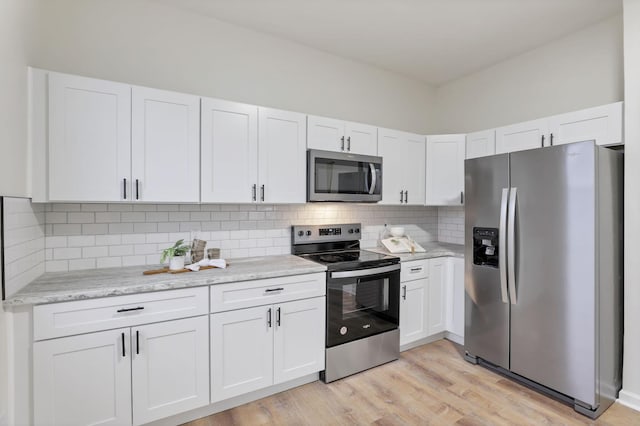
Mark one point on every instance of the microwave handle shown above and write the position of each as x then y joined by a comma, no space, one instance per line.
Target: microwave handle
374,178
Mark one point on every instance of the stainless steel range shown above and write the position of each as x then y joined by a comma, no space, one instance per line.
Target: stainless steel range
363,298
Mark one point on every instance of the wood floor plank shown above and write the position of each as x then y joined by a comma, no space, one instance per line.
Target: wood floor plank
428,385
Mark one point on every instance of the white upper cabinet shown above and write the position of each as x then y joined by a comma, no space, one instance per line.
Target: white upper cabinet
330,134
522,136
282,156
403,167
481,144
89,139
445,170
165,146
229,135
603,124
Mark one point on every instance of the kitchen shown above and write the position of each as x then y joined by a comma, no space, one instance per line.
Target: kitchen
249,67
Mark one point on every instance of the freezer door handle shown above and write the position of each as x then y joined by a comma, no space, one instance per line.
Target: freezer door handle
502,253
511,245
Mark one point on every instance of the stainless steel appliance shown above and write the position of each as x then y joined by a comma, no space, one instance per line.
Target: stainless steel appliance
363,298
543,270
340,176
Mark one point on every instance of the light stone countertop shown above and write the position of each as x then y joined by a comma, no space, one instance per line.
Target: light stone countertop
89,284
433,249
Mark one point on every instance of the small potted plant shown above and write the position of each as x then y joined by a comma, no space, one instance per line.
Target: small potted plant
176,255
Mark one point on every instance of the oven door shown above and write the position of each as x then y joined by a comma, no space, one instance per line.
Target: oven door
339,176
362,303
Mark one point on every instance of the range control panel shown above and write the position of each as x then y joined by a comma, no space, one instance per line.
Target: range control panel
303,234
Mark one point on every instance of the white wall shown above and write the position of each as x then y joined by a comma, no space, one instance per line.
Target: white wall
150,44
630,394
581,70
15,40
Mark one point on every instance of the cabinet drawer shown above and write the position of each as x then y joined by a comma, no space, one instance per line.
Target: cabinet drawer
84,316
226,297
414,270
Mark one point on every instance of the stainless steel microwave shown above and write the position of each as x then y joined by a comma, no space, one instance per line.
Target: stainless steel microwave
340,176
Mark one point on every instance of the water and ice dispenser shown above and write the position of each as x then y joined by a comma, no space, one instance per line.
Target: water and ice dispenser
485,247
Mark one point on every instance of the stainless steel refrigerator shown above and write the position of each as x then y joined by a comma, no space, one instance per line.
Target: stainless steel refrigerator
543,270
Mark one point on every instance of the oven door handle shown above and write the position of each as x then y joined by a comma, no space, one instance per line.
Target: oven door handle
364,272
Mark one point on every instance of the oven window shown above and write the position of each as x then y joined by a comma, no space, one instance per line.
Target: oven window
346,177
365,295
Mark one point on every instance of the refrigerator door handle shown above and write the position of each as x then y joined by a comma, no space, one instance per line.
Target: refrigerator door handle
502,253
511,245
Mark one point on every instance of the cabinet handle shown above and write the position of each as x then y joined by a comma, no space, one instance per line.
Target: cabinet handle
269,318
416,269
461,197
404,292
406,197
124,188
269,290
349,143
542,143
137,342
253,189
137,308
551,139
278,317
342,140
261,192
137,190
123,353
401,195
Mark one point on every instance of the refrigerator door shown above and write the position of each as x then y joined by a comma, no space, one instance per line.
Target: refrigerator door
553,312
486,303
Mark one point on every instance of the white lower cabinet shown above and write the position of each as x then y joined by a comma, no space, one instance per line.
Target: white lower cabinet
437,292
257,347
83,379
432,299
170,368
455,298
152,371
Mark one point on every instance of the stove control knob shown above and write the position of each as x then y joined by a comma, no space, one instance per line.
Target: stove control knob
351,231
308,233
357,230
300,233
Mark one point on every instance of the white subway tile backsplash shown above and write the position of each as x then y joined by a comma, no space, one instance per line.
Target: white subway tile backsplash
67,253
135,234
75,217
80,264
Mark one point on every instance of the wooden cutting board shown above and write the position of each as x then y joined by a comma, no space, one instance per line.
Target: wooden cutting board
177,271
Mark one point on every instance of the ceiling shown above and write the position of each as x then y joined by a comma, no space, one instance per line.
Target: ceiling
434,41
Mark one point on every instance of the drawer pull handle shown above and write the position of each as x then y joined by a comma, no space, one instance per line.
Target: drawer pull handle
269,290
416,269
138,308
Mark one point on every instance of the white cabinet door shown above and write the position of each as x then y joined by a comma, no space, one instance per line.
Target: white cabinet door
282,158
481,144
170,368
325,133
603,124
445,170
229,142
521,136
414,169
361,138
89,139
437,295
391,149
413,310
165,146
298,339
83,379
241,351
455,305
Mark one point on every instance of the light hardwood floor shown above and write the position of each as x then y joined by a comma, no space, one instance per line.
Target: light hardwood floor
428,385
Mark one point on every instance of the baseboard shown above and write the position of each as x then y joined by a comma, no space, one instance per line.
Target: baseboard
629,399
421,342
454,338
